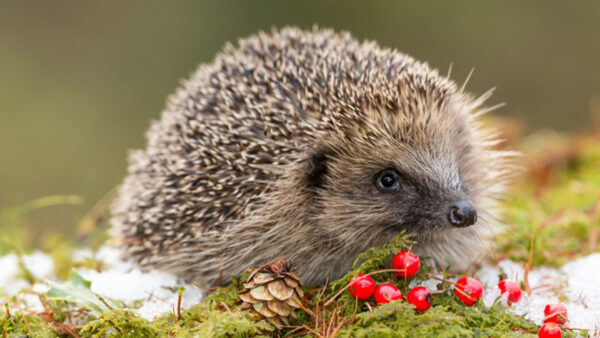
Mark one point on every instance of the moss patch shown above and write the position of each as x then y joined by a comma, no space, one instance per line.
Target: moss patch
21,325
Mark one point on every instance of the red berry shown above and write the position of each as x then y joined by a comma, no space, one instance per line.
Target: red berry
512,289
555,313
469,290
362,287
420,297
387,292
550,330
406,261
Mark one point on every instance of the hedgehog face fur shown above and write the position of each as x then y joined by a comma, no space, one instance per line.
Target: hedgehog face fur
383,181
315,147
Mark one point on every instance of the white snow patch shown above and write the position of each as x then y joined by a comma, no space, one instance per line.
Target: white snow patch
30,302
584,279
109,255
38,264
430,284
583,289
579,280
9,265
10,281
15,285
40,288
156,306
158,290
488,275
123,281
490,295
129,285
25,295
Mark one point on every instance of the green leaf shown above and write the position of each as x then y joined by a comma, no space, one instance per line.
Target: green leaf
77,290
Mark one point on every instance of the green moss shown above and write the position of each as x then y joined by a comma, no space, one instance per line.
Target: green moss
200,321
399,319
495,321
225,295
230,324
120,323
20,325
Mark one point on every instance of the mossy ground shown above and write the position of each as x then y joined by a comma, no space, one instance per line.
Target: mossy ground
555,205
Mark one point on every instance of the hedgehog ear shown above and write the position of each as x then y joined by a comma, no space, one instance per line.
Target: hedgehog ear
317,168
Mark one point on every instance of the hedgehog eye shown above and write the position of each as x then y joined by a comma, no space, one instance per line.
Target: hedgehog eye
388,180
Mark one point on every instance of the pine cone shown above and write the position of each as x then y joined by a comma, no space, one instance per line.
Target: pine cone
274,292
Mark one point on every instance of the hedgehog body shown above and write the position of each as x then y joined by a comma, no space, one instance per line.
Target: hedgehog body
313,146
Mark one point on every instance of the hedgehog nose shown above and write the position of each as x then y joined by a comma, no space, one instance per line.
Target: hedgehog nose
462,214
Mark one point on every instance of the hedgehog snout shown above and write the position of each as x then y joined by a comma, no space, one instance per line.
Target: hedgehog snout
462,214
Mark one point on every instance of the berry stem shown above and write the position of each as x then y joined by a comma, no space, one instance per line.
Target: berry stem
528,267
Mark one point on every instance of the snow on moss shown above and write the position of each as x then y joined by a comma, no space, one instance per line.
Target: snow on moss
156,292
575,284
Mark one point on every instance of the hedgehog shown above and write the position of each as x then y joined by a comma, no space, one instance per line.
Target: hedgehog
311,145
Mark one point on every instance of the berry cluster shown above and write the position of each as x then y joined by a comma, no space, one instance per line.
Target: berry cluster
469,290
363,287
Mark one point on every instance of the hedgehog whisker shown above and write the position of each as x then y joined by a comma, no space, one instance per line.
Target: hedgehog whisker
464,85
449,70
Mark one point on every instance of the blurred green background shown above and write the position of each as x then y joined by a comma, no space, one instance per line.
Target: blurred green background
80,80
